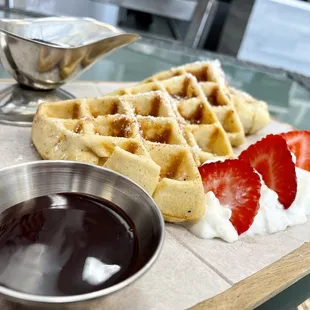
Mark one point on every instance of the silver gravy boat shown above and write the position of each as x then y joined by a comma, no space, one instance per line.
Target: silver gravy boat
45,53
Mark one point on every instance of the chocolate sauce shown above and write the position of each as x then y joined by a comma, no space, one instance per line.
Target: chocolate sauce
66,244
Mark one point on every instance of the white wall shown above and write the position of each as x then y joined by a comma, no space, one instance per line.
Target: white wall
278,35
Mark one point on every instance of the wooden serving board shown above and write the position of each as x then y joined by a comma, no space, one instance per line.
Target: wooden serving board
210,274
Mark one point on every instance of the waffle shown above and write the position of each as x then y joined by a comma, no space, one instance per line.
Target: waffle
197,104
138,136
252,113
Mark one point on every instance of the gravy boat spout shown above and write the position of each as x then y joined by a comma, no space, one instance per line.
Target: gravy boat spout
44,53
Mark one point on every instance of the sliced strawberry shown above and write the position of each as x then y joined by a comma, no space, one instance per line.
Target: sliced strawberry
273,160
237,186
298,142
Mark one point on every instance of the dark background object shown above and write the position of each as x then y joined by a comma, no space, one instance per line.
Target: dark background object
212,41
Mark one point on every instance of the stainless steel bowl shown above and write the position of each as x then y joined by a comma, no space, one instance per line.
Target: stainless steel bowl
26,181
44,53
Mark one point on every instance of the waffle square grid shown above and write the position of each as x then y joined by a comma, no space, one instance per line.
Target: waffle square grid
253,113
197,103
140,136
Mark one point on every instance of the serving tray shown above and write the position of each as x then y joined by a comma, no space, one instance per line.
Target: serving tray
210,274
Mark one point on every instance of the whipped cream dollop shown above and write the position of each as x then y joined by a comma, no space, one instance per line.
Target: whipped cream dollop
215,223
271,216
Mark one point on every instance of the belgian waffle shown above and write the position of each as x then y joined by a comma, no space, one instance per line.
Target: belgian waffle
197,103
139,136
253,113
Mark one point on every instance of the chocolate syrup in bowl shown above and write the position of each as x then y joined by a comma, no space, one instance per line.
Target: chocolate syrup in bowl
66,244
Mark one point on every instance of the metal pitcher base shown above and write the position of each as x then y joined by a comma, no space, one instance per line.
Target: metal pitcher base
18,104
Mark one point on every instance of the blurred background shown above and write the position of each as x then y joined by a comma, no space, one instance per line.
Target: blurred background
275,33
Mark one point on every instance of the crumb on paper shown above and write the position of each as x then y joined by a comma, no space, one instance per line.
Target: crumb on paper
19,158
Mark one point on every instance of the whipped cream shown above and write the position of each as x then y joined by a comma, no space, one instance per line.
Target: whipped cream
271,216
215,223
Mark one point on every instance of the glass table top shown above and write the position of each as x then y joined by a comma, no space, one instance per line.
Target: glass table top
288,101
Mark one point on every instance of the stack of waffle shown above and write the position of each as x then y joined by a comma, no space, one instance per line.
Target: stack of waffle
210,77
156,133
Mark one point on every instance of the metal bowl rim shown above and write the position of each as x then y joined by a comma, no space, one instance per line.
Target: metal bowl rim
100,293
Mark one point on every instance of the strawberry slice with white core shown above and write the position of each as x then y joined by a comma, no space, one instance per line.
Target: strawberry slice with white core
271,158
237,186
298,142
